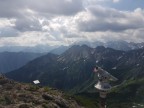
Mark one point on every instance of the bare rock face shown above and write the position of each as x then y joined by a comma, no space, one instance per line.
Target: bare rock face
17,95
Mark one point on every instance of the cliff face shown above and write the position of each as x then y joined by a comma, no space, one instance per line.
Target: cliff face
18,95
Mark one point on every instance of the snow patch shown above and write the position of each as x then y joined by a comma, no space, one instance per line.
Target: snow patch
65,68
92,52
140,105
97,61
137,105
119,58
114,68
141,46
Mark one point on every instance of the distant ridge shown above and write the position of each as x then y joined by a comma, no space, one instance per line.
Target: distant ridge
117,45
13,60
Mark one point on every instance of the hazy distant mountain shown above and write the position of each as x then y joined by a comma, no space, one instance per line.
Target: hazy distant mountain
59,50
118,45
34,49
90,44
123,45
13,60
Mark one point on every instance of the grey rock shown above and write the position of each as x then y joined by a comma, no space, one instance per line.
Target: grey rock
47,97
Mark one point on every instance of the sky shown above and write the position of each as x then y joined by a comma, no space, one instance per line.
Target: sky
64,22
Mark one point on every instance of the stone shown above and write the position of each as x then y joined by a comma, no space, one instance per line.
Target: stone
47,97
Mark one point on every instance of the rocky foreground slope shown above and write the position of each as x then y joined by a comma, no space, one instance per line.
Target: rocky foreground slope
18,95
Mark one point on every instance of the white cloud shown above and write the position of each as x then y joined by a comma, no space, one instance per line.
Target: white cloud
107,19
57,22
116,1
8,32
7,22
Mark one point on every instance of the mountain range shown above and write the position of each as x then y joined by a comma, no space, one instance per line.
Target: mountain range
74,67
118,45
33,49
13,60
72,71
15,50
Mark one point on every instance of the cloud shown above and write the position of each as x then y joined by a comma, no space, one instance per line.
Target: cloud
107,19
8,32
7,22
28,13
32,22
116,1
58,7
138,35
54,7
28,24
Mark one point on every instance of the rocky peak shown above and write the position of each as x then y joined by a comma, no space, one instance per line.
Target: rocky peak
76,52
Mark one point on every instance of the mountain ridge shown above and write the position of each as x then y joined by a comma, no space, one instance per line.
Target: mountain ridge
74,66
72,72
81,58
13,60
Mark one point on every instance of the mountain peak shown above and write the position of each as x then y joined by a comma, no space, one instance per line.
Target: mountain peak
77,52
100,48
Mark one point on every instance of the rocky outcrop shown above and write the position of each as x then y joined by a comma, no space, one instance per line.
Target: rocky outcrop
18,95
